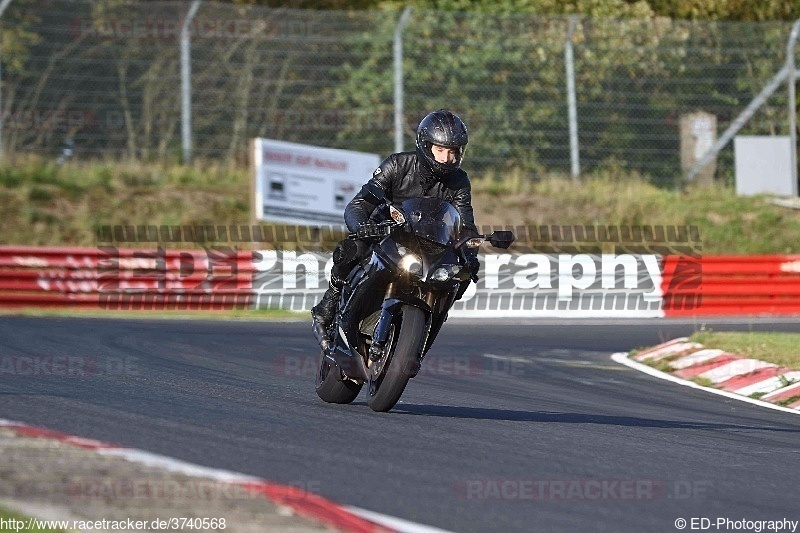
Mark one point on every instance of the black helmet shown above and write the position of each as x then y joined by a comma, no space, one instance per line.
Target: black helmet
444,129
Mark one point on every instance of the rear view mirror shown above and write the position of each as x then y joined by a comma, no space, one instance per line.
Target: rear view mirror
501,239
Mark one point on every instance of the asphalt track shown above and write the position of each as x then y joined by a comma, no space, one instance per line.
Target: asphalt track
512,426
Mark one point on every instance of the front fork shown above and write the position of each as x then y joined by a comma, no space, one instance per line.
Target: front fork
393,301
381,335
391,304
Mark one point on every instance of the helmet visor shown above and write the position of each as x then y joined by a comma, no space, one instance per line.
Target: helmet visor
441,154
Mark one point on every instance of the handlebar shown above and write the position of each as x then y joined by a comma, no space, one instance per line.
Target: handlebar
384,229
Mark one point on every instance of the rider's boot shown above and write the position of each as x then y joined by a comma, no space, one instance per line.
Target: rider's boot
324,311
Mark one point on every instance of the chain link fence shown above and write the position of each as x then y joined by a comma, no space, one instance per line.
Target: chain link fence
106,76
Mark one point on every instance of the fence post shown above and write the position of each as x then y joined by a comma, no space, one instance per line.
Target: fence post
398,80
572,101
186,84
3,5
786,73
739,122
791,80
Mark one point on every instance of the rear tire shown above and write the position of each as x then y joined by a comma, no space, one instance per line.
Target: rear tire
402,361
331,388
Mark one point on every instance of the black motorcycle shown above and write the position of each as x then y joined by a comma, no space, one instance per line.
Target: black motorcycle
394,303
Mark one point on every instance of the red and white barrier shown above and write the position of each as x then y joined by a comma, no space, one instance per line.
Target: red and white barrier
731,285
223,278
115,278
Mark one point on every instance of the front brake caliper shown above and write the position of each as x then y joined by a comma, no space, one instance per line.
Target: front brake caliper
376,351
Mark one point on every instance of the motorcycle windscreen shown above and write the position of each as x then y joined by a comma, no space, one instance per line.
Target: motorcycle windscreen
433,219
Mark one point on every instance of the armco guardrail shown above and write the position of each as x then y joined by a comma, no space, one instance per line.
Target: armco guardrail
732,285
224,278
115,278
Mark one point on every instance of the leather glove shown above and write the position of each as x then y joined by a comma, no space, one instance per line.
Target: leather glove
474,265
367,230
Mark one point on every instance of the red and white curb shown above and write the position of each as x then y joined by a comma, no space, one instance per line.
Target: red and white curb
302,503
731,375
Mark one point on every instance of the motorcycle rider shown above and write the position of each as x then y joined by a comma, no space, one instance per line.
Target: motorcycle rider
433,169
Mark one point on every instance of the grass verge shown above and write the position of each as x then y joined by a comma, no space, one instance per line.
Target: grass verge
42,203
779,348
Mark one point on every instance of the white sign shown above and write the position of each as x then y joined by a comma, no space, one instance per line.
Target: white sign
302,184
764,165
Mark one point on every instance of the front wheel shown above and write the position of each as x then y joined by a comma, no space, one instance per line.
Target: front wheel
331,388
399,362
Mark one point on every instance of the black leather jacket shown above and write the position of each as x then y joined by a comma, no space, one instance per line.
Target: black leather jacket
401,176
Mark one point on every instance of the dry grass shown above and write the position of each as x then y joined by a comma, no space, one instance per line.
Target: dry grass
727,224
45,204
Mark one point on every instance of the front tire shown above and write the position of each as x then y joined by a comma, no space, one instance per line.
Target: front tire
331,388
402,361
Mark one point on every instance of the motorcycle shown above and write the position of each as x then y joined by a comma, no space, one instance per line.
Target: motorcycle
394,302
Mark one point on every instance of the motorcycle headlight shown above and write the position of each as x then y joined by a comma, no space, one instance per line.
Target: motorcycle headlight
445,273
411,264
441,274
